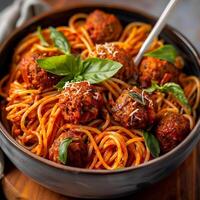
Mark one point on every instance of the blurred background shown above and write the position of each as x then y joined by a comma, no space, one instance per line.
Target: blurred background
186,17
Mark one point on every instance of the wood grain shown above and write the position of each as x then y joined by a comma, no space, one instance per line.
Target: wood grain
182,184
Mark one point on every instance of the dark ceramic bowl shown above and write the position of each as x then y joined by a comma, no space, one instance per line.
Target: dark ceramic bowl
86,183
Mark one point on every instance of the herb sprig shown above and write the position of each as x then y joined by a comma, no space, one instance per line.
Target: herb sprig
152,144
174,89
60,41
166,52
93,70
63,150
138,97
41,37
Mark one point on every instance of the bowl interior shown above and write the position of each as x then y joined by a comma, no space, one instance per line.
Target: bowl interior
61,17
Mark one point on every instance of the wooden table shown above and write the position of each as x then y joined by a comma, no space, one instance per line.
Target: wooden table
182,184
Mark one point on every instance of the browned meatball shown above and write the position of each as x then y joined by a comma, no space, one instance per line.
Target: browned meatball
157,70
80,102
77,150
116,53
103,27
34,76
171,130
134,109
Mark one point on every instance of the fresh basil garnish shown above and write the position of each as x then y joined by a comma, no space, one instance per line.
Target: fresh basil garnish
93,70
61,84
59,65
152,144
97,70
137,97
154,86
41,37
166,52
173,88
60,41
63,150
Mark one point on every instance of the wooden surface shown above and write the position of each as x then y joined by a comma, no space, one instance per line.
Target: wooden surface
183,184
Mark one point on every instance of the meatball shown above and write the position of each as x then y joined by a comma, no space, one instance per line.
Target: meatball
158,70
116,53
77,150
134,109
103,27
34,76
80,102
171,130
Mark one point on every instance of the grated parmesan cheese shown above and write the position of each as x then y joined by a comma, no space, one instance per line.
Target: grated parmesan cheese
109,47
136,110
76,89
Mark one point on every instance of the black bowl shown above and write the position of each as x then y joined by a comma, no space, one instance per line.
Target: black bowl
86,183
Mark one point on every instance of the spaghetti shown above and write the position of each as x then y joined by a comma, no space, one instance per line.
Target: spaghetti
36,115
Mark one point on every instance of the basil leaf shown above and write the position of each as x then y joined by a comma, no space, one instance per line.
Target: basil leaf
173,88
152,144
60,65
137,97
96,70
60,41
63,150
78,78
178,92
154,87
166,52
41,37
60,85
77,66
93,70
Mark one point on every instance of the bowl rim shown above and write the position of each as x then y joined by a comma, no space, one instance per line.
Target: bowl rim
150,163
